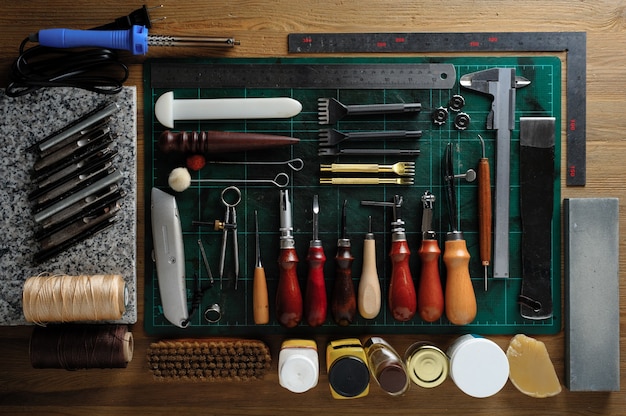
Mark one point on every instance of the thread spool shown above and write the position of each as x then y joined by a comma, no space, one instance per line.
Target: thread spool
81,298
82,346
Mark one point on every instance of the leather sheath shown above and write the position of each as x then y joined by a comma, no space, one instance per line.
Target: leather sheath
537,177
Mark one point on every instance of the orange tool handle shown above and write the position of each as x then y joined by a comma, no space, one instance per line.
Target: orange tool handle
343,303
402,297
460,298
260,302
430,293
288,294
484,211
315,302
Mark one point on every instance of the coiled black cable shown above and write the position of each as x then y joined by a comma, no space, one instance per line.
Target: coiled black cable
93,69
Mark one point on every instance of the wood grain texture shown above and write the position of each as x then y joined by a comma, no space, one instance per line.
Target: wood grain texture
262,26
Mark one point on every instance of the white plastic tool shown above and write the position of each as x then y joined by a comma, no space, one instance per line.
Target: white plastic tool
167,109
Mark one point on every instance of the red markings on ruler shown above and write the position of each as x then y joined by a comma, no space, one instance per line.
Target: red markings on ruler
307,39
572,171
400,40
477,44
381,44
572,124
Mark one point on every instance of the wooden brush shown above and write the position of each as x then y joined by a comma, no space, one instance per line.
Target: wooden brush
209,359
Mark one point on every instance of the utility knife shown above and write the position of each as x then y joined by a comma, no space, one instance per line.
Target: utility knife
169,257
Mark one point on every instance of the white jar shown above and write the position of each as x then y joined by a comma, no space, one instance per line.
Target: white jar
298,365
478,366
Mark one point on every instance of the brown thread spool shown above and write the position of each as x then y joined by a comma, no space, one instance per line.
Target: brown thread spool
74,298
74,347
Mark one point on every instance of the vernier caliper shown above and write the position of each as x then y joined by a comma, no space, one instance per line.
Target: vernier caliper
500,83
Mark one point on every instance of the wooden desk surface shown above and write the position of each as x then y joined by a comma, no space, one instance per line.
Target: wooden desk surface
262,26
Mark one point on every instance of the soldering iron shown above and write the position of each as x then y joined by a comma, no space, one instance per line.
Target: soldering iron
95,66
136,39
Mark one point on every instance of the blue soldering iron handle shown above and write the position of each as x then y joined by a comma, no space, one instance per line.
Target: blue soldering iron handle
134,40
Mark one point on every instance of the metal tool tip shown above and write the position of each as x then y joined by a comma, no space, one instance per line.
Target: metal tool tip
485,278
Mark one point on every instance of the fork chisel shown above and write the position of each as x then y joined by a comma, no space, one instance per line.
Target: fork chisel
399,168
332,137
366,181
329,151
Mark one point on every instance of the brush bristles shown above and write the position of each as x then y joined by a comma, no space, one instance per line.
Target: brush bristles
209,360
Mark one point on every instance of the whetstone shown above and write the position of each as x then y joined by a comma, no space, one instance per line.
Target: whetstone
592,328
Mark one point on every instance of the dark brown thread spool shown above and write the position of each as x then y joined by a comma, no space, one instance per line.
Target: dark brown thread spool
74,347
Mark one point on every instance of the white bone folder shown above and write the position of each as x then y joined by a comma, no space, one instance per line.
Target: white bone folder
167,109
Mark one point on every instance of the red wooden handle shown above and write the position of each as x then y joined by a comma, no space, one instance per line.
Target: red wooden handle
288,295
402,297
430,293
315,302
344,298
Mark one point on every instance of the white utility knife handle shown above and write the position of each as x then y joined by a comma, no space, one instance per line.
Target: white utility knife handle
167,109
169,256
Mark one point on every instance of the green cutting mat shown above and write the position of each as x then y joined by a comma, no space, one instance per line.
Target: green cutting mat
498,311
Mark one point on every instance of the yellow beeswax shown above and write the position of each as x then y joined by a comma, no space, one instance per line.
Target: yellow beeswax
530,367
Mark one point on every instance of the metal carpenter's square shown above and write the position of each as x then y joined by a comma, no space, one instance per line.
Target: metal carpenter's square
574,44
500,83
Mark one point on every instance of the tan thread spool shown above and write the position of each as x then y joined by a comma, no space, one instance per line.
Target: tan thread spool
65,298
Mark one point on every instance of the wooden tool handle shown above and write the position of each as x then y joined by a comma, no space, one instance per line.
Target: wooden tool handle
343,298
315,302
369,298
402,296
260,302
430,293
484,211
210,142
460,301
288,294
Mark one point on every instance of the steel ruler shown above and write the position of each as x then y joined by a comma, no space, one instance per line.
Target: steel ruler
182,74
573,43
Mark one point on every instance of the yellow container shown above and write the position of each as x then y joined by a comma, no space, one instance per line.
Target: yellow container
348,373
